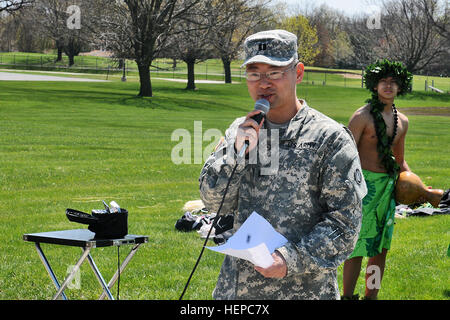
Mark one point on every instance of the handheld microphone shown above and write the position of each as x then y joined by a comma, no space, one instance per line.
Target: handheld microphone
264,106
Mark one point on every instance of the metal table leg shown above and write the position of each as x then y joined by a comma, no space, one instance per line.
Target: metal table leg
99,277
49,269
72,273
86,254
121,268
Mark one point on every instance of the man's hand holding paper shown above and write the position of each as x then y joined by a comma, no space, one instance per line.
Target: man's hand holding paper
278,269
256,241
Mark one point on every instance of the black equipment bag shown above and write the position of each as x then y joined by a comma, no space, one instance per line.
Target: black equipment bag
105,225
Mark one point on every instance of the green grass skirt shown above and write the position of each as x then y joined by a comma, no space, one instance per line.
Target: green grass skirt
378,215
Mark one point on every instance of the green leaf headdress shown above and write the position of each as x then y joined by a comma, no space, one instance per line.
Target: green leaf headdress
373,74
385,68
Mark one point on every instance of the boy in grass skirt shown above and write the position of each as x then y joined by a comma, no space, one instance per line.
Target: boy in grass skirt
379,131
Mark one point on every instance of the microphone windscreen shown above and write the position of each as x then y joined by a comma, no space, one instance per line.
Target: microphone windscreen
263,105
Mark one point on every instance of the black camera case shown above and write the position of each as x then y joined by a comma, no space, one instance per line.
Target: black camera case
105,225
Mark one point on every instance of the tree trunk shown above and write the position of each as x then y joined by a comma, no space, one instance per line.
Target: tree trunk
144,79
59,58
227,69
191,75
72,49
71,60
59,46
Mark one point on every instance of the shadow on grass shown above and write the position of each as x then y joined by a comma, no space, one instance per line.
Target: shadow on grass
427,111
166,97
447,293
420,95
180,103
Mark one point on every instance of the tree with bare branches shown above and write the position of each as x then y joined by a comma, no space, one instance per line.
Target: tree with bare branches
409,36
50,17
190,41
231,22
13,5
439,15
363,41
72,25
150,24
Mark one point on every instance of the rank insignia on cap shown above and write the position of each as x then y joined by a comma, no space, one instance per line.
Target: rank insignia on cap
262,46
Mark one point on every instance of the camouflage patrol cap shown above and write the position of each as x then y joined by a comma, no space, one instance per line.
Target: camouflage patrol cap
274,47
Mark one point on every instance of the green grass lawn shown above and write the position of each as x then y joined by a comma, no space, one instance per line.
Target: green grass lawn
71,145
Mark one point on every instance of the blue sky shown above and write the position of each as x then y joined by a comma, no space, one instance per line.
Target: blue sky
349,7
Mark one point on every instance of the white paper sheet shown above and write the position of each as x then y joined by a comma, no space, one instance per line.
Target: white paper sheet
255,241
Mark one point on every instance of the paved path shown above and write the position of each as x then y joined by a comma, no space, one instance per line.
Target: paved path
12,76
196,81
15,76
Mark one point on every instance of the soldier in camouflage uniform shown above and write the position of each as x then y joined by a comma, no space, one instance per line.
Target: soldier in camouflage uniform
312,196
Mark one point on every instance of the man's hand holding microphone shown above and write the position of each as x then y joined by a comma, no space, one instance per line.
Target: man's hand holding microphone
248,131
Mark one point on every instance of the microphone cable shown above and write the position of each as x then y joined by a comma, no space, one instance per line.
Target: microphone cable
118,272
216,218
263,105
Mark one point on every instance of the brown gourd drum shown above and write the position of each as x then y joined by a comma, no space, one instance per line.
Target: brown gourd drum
410,189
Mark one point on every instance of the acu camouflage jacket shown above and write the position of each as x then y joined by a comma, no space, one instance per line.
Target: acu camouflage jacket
313,196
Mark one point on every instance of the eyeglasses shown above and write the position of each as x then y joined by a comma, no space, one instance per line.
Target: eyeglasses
271,75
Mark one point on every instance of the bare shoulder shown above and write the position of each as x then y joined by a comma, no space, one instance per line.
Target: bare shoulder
361,115
403,118
404,123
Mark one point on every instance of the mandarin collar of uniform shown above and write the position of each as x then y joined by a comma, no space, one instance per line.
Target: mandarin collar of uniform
296,122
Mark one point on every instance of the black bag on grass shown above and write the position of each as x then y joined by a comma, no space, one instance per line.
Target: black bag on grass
190,221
